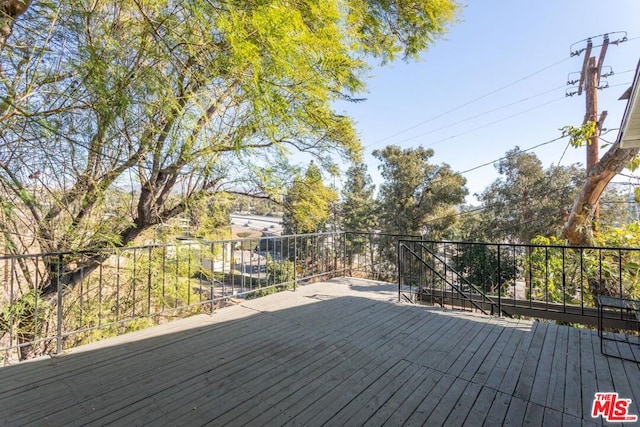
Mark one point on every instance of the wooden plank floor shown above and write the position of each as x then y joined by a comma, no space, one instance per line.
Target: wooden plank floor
342,352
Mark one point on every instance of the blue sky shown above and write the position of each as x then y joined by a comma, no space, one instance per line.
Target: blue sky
497,43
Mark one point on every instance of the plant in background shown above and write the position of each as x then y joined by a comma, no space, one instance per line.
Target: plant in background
281,272
415,192
169,102
26,319
481,266
553,272
307,203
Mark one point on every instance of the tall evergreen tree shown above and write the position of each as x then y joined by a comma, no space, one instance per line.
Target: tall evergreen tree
416,196
307,203
527,200
358,204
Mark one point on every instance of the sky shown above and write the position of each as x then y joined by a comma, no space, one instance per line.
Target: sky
498,80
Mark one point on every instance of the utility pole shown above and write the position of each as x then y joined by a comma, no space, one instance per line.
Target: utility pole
589,83
591,78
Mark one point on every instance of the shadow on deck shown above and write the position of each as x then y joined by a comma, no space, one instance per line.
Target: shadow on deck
342,352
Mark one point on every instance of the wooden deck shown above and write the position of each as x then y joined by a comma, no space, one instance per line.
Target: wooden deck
337,353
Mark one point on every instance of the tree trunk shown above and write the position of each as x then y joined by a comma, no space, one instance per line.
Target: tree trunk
9,12
578,228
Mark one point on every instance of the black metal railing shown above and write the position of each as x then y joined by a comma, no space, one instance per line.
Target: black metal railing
425,276
54,301
545,281
373,255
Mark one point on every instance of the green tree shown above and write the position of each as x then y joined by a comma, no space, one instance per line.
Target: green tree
209,215
469,226
307,204
174,101
579,227
358,203
616,207
416,196
527,200
10,10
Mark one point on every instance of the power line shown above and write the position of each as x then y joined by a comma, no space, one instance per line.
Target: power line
477,115
494,110
485,207
495,121
491,205
481,208
469,102
505,157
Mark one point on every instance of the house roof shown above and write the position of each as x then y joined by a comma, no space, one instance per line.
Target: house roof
629,136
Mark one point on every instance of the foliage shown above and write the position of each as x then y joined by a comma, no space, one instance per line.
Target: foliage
24,314
621,269
554,272
470,226
281,277
565,274
581,135
615,208
414,192
281,272
358,204
133,283
252,205
307,203
527,200
209,215
481,266
173,102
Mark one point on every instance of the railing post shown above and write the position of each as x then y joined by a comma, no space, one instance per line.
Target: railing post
499,283
59,296
344,253
149,261
295,263
399,271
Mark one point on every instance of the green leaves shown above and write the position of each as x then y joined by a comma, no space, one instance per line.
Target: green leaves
307,203
386,29
358,206
133,109
580,136
415,192
527,200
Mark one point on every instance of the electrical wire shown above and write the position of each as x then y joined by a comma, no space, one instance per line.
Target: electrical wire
505,157
477,115
494,122
470,102
481,208
560,191
498,120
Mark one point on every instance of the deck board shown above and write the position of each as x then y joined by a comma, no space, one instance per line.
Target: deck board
555,395
342,352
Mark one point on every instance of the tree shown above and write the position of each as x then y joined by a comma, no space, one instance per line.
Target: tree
416,196
579,227
209,215
527,200
358,204
616,207
10,10
174,101
307,203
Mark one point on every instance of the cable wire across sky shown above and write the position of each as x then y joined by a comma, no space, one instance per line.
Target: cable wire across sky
486,95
